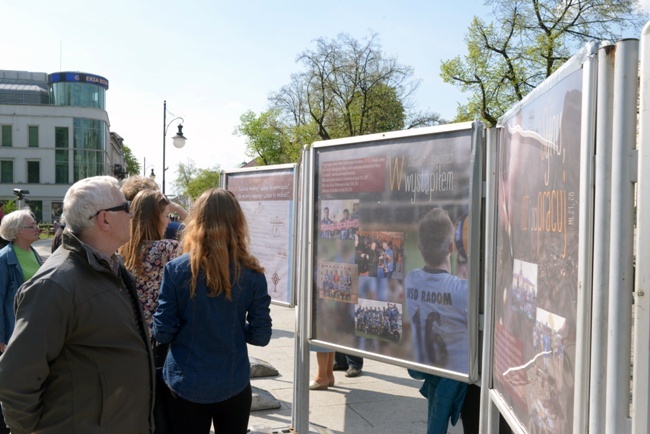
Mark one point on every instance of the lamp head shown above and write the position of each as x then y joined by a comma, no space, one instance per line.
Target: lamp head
152,175
179,139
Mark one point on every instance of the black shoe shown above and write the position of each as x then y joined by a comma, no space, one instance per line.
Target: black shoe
352,372
338,367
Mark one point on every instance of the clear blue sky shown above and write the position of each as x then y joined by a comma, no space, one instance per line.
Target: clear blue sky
214,60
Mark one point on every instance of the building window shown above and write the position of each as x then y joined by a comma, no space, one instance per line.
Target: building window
87,164
61,167
61,137
6,135
61,156
6,172
79,95
34,172
33,137
89,142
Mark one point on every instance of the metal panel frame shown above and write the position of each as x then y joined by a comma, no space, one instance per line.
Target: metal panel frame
489,413
621,237
474,269
585,248
300,408
587,61
602,201
394,135
641,370
474,266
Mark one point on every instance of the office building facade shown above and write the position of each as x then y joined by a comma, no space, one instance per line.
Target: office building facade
54,131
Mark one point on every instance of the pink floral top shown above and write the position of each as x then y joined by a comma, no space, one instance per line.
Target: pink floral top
156,255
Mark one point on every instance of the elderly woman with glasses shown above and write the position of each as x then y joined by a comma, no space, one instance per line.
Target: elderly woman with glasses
18,263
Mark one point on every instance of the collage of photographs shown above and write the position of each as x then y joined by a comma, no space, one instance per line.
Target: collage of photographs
391,275
537,259
378,259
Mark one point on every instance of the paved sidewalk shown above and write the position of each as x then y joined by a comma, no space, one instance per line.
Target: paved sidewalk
43,247
383,399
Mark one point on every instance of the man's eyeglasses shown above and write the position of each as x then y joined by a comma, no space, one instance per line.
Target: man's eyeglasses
126,207
34,226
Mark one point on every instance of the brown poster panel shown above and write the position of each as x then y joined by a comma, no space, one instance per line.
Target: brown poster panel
537,257
266,197
376,287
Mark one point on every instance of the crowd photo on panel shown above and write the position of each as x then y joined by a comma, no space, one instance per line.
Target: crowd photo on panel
139,320
383,322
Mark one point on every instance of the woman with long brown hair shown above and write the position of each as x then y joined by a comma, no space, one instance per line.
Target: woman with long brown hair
213,301
147,252
145,256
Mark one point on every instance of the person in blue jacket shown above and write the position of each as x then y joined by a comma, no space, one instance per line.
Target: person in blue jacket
213,301
19,261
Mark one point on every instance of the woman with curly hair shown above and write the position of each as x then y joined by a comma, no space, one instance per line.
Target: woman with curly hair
213,301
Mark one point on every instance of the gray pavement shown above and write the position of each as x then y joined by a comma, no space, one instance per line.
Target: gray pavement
383,399
43,247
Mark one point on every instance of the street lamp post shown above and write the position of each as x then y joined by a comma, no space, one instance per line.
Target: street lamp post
146,166
178,139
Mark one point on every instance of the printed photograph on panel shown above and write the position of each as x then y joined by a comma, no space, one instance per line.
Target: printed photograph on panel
338,282
523,292
380,254
339,219
378,320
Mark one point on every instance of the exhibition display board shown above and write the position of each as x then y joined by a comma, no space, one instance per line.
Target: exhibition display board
395,232
537,252
267,197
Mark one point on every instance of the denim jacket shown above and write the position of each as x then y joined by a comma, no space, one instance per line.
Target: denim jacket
207,360
11,277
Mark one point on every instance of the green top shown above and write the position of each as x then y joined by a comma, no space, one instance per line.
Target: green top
28,262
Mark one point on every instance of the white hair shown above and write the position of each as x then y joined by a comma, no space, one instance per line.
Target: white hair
84,198
13,222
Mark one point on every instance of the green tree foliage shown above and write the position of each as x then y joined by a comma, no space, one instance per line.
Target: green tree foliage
192,181
346,88
185,172
525,43
204,180
268,138
132,164
10,205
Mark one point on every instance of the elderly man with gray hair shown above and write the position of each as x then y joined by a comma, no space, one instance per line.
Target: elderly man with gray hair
79,359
